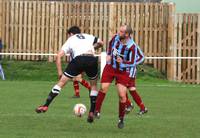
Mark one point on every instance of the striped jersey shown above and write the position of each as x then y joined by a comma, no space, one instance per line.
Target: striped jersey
126,51
139,59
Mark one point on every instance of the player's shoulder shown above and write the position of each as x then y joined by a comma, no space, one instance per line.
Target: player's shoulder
131,44
87,35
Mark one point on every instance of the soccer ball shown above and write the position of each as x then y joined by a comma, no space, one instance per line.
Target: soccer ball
79,110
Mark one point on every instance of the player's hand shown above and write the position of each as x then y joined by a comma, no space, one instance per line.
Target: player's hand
119,59
108,58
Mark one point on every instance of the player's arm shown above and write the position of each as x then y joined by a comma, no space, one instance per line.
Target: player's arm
109,47
64,50
98,43
140,56
132,57
59,56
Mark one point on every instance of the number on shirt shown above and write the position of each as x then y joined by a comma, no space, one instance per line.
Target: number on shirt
80,36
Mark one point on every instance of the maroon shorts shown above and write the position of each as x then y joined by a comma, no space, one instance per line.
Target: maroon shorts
131,83
109,74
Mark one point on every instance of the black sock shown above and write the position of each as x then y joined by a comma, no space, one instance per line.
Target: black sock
50,98
92,103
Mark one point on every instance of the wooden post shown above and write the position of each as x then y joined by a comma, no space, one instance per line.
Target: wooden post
175,49
112,21
198,50
179,33
171,67
52,23
1,18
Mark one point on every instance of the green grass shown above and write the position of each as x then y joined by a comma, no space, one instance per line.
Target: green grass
173,107
46,71
173,112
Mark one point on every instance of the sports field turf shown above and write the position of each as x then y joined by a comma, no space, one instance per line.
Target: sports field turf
173,107
173,112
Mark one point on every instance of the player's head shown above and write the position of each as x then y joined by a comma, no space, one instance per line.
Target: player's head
73,30
125,31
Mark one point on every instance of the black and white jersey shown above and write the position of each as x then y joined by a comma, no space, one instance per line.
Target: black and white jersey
79,44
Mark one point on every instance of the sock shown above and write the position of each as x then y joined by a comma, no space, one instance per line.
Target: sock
92,103
54,92
76,88
122,107
86,84
137,99
99,101
128,102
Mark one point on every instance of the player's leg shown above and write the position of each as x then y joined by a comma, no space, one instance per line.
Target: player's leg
91,70
76,86
122,103
136,97
86,84
93,96
76,89
106,80
129,105
54,92
83,82
2,73
70,72
100,98
122,80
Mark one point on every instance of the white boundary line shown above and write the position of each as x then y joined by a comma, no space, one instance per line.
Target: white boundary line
35,54
51,54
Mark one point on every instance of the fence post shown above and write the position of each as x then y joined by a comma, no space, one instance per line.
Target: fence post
171,64
1,17
112,20
198,50
51,26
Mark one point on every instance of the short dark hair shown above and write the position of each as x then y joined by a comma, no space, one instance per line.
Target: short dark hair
74,30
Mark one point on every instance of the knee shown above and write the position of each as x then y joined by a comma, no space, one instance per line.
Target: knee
122,99
132,89
104,89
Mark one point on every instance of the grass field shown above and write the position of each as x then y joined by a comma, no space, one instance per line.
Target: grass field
173,111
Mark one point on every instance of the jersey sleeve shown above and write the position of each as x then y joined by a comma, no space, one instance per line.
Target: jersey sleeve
66,46
109,47
140,56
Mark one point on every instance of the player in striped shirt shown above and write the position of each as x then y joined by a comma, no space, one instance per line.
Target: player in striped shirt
121,54
132,88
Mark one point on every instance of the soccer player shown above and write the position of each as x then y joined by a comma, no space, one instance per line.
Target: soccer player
81,46
121,47
78,79
132,88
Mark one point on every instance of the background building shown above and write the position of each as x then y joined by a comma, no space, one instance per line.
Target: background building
185,6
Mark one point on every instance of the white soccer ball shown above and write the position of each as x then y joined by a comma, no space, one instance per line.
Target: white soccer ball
79,109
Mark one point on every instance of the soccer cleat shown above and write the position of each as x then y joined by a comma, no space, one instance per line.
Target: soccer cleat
90,118
97,115
120,124
141,112
76,96
41,109
129,108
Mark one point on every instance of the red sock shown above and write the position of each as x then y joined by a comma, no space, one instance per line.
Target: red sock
86,84
128,102
122,107
76,88
99,101
137,99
